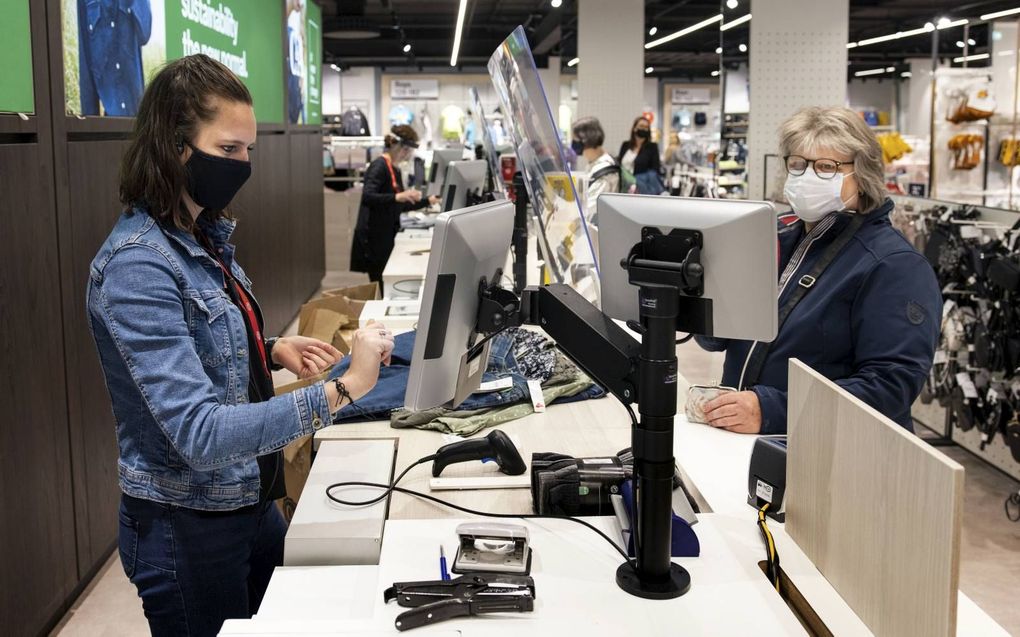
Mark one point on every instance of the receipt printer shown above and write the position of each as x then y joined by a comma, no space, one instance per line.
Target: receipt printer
766,478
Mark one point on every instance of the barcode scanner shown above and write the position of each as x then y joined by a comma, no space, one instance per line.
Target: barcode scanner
497,446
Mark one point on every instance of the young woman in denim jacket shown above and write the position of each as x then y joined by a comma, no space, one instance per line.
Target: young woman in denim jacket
179,335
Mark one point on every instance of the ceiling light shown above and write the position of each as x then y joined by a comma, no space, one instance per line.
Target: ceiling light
407,48
573,62
971,41
906,74
715,73
945,23
734,23
335,67
870,72
683,32
927,28
890,69
851,45
458,32
718,50
556,4
653,30
649,69
959,43
732,4
743,48
999,14
972,58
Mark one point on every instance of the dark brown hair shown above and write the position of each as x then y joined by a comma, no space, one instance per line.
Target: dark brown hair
633,127
177,100
401,132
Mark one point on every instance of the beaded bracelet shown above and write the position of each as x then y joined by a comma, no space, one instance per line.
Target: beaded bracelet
342,392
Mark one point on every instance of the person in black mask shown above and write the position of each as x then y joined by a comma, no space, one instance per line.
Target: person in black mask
640,157
181,341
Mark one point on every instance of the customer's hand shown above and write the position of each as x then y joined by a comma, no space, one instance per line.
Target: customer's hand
433,200
410,195
737,411
372,346
305,356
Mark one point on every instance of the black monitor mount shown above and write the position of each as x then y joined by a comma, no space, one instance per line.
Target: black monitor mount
668,273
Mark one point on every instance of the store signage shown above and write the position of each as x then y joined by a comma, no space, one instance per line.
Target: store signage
691,96
414,89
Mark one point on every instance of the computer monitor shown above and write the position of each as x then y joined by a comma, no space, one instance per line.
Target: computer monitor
739,256
463,180
467,245
437,173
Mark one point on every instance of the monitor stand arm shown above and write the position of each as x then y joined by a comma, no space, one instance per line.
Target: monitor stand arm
667,271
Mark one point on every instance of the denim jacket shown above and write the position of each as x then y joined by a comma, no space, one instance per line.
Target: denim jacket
174,352
388,393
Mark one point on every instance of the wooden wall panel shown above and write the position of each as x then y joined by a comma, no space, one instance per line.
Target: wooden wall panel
875,508
92,169
37,521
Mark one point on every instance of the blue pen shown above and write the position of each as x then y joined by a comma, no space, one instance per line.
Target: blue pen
443,573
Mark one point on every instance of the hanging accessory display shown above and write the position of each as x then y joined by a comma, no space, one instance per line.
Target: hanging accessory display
966,149
971,104
894,147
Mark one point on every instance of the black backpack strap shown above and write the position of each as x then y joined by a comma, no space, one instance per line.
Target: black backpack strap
760,351
602,172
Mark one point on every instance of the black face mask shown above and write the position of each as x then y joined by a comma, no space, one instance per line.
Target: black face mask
577,147
642,133
214,181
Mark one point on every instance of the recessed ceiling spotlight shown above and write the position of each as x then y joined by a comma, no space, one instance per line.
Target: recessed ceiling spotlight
407,48
653,30
731,4
743,48
718,50
649,69
556,4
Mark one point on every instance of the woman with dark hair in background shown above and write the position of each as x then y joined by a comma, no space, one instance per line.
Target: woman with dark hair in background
640,157
180,340
383,198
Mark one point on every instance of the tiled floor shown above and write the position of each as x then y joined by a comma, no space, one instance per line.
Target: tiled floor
990,560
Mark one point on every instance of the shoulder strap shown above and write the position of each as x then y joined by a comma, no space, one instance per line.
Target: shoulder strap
605,170
760,351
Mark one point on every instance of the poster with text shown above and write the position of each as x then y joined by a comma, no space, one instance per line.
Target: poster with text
112,48
16,91
304,62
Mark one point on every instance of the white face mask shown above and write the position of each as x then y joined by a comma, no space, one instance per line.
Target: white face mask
813,197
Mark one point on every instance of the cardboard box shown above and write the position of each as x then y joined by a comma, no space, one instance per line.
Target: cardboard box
333,315
297,456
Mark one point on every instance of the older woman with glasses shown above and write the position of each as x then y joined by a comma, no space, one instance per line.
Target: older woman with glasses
856,301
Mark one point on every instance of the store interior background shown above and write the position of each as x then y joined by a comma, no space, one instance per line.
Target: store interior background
58,180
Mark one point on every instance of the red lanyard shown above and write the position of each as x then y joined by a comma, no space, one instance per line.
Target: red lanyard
393,175
249,314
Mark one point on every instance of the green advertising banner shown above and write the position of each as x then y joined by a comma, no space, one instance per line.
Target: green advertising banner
111,50
16,90
304,62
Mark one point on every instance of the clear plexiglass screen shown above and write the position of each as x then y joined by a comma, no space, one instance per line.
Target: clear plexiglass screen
565,239
485,132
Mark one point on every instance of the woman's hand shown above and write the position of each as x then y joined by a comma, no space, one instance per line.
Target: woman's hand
372,346
737,411
433,200
411,195
305,356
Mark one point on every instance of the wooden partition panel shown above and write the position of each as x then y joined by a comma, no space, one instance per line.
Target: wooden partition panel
92,168
874,507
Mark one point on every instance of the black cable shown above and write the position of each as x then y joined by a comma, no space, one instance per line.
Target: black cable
526,516
392,487
1014,499
683,340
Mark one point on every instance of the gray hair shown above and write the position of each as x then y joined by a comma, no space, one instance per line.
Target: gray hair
589,132
842,130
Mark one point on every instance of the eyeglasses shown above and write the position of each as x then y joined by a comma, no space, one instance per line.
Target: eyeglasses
824,168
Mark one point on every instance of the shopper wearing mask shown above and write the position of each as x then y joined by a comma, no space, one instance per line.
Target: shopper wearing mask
180,339
639,156
603,171
870,319
383,198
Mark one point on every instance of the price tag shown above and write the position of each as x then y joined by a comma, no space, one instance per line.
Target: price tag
496,385
537,399
967,385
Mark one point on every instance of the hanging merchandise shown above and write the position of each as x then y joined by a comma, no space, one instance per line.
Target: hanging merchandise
451,123
971,104
354,123
400,115
893,146
966,149
426,123
1009,152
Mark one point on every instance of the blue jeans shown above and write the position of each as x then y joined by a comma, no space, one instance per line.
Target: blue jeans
194,569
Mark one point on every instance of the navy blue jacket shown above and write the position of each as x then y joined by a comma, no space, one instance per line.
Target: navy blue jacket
110,38
871,323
